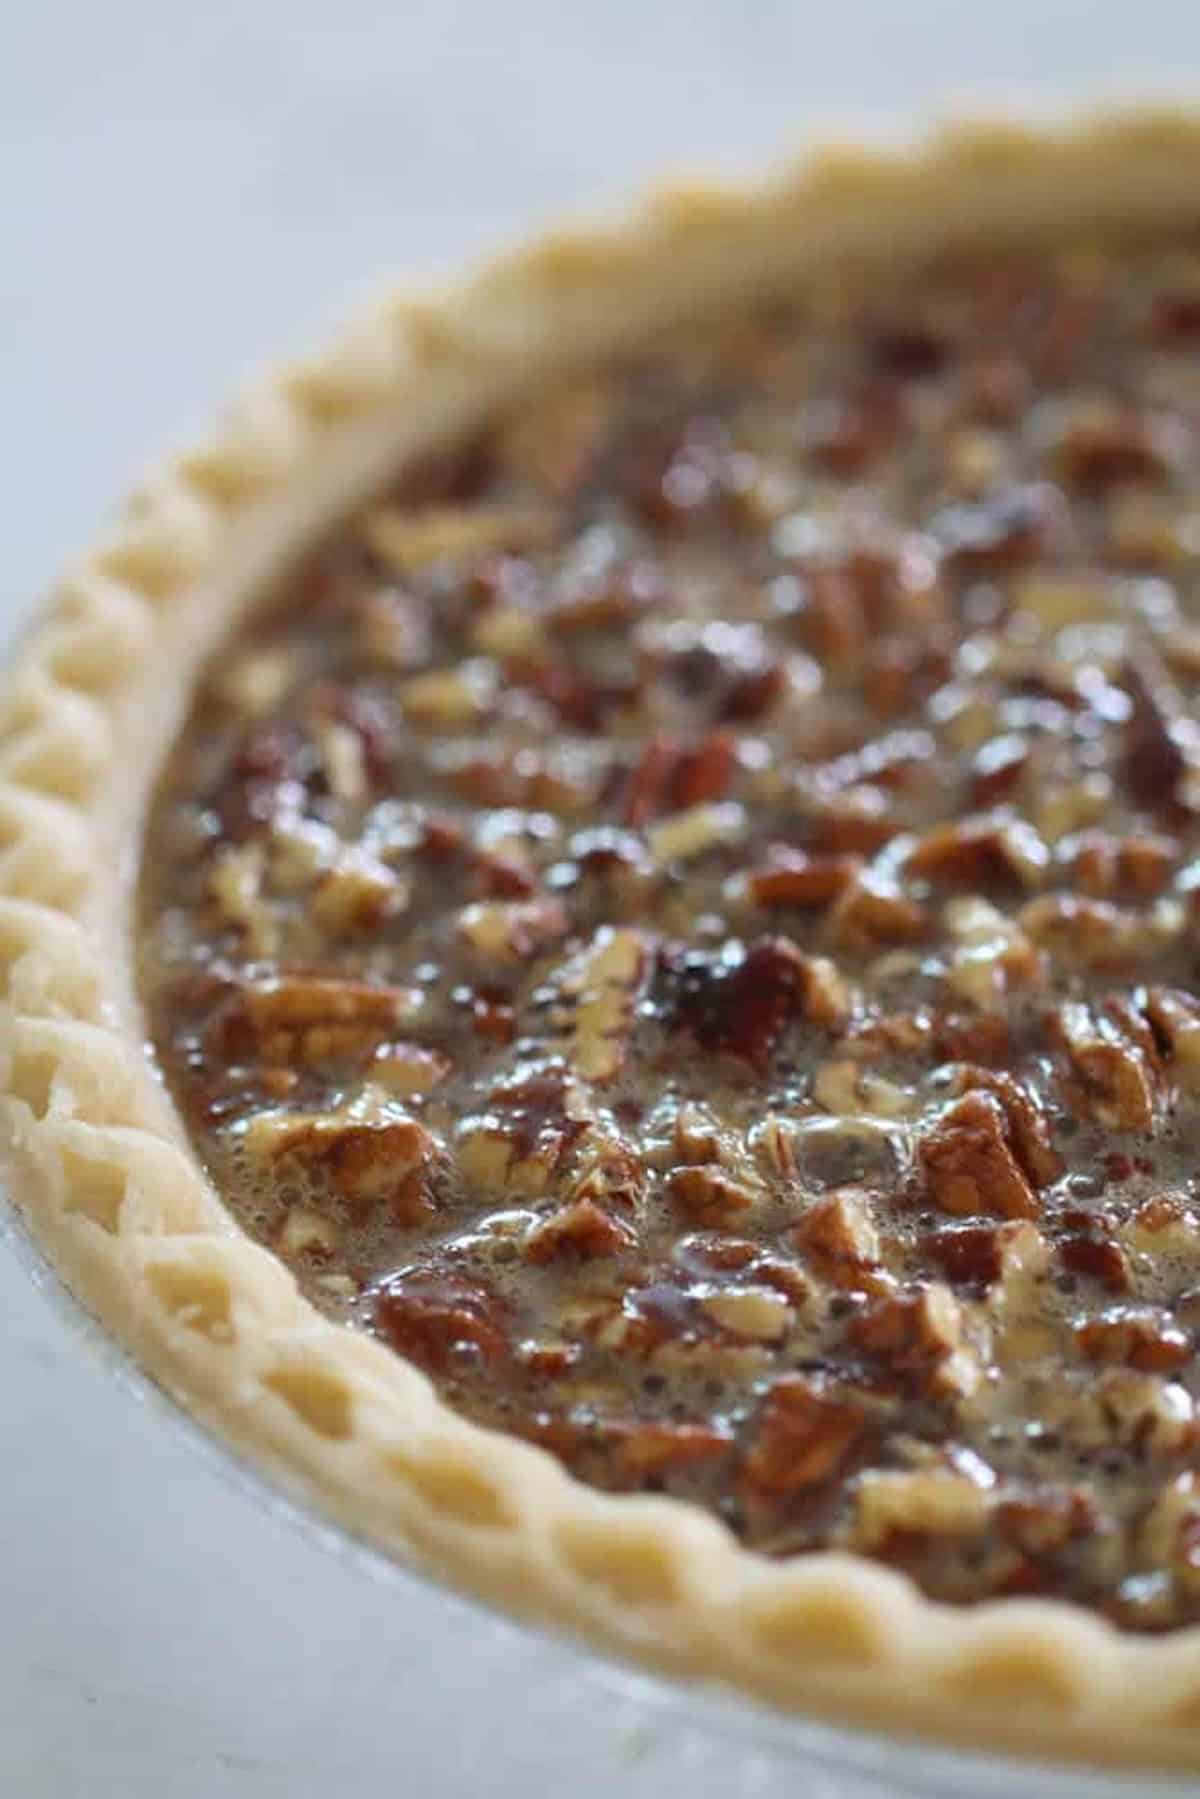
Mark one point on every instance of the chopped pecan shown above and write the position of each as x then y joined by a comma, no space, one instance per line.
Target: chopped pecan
705,771
803,1435
1028,1128
968,1161
1003,531
873,911
1175,1020
1103,865
445,698
696,1135
1113,1061
1136,1335
856,821
367,1163
1045,1518
709,1193
933,1502
753,693
687,835
648,781
305,1232
759,1313
983,1255
966,1253
441,1321
997,767
742,1009
1162,743
1094,1252
838,1238
597,993
405,538
583,1229
357,894
380,1161
303,1020
407,1068
847,1089
991,955
1132,1409
1078,932
652,1450
1101,447
512,930
910,1329
978,852
790,878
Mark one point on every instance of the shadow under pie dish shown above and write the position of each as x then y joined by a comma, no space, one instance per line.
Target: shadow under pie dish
598,911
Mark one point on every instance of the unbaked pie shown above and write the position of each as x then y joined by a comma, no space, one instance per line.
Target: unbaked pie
600,911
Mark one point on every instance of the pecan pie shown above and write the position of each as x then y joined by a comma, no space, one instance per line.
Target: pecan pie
601,905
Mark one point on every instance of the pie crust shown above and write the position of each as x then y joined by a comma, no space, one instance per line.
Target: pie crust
100,1161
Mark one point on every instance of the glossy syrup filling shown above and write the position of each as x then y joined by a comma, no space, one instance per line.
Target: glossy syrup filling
682,919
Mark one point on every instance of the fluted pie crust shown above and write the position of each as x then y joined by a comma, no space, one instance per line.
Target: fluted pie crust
100,1161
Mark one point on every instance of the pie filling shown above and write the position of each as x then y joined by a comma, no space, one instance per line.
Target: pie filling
682,919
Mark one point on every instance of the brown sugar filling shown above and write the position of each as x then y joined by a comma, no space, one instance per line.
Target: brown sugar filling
683,919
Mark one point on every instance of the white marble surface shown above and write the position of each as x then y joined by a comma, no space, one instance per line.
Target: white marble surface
180,187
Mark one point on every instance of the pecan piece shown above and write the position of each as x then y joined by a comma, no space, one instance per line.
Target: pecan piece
404,538
583,1229
1104,447
970,1254
1028,1130
982,1255
968,1162
991,953
743,1010
838,1238
1103,865
919,1333
408,1068
1001,532
380,1161
759,1313
597,992
790,878
512,930
441,1321
1162,743
803,1435
1094,1252
705,771
978,852
997,767
652,1451
1083,933
709,1193
1175,1020
303,1020
1136,1335
1113,1060
873,911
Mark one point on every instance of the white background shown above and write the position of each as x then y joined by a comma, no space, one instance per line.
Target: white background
181,190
